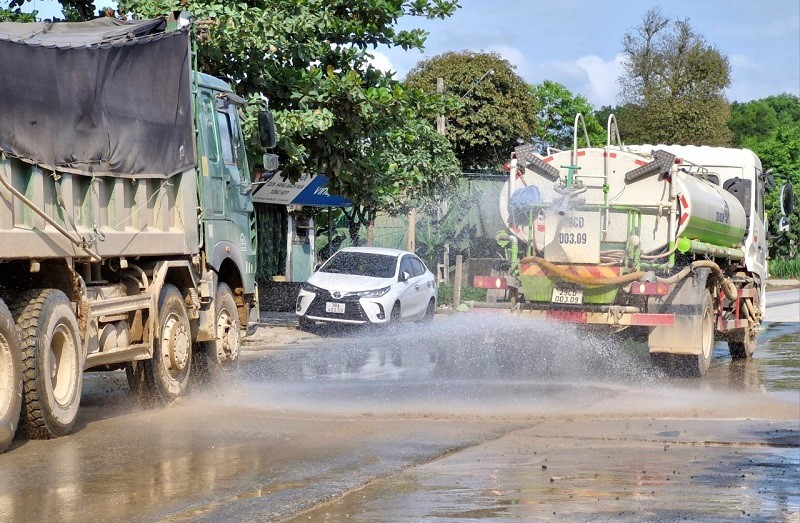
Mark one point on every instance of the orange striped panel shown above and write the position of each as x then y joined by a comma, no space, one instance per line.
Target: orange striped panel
590,271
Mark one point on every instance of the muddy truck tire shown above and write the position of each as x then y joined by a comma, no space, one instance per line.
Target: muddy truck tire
52,363
215,359
692,365
10,377
163,379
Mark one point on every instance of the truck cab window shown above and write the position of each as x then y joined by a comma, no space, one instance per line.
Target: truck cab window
238,142
226,138
207,128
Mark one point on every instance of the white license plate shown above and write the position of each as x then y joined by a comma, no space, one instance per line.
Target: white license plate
336,308
567,296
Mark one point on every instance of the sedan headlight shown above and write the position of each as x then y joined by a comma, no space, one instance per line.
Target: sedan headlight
377,293
310,288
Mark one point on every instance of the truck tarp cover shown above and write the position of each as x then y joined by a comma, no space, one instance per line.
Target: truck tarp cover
106,97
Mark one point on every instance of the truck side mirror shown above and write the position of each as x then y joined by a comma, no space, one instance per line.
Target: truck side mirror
266,129
787,199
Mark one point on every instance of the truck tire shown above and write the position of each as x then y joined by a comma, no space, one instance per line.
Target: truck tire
215,359
52,363
10,377
164,378
694,365
742,344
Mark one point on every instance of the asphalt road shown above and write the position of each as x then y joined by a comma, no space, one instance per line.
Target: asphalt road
783,306
428,425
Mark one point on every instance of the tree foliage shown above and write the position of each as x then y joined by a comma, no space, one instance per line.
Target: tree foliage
335,113
494,105
555,117
672,87
770,127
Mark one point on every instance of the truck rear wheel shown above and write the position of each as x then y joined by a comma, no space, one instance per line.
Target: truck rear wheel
221,356
692,365
164,378
52,363
742,344
10,377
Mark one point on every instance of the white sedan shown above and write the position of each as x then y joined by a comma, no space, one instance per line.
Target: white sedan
368,285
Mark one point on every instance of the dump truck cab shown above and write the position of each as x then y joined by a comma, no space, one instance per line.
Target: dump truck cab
226,208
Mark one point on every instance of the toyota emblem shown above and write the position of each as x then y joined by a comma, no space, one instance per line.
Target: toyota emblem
337,294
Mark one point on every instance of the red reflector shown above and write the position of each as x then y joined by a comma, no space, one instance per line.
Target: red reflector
489,282
649,288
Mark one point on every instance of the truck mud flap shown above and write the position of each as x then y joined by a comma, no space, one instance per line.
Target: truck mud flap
685,302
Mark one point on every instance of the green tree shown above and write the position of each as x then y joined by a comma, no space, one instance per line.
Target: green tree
672,87
74,10
770,127
334,112
555,118
495,106
15,14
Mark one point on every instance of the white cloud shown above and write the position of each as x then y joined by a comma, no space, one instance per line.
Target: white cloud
601,88
380,61
515,57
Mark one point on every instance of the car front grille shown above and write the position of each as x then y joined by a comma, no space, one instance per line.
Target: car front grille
352,308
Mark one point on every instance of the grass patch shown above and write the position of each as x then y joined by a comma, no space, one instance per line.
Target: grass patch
784,268
445,294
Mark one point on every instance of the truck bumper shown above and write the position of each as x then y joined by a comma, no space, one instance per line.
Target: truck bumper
610,317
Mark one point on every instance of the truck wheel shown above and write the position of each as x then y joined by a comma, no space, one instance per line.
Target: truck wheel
166,374
698,365
52,363
693,366
221,356
10,377
742,344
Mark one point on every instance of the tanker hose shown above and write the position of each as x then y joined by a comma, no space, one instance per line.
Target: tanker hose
583,280
728,287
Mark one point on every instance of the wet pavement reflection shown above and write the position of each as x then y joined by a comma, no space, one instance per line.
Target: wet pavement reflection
470,417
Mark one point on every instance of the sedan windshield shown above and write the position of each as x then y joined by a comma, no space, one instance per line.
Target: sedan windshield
361,264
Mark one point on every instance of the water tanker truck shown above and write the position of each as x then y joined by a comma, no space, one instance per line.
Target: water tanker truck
127,234
664,243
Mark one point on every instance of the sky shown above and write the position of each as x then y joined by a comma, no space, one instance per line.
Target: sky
578,42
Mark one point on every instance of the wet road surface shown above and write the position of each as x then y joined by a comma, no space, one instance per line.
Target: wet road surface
434,424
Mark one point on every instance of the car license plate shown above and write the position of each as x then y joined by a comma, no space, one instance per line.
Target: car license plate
336,308
567,296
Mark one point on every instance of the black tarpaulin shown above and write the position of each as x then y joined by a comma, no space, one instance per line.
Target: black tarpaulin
106,97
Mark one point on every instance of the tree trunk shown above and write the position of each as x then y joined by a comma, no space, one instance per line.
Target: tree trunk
354,227
370,233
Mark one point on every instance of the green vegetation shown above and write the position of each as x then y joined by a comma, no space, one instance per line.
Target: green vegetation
375,139
784,269
445,294
493,109
770,127
555,117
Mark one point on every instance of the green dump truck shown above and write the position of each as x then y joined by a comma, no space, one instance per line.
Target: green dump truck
127,233
664,243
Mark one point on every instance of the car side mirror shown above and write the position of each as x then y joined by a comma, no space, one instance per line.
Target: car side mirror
787,199
266,129
404,276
